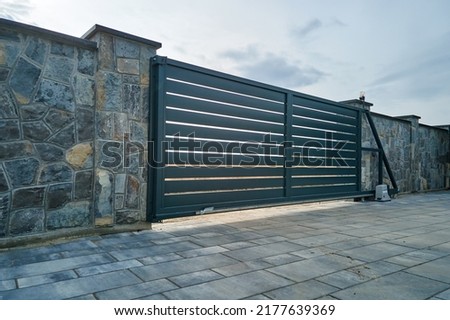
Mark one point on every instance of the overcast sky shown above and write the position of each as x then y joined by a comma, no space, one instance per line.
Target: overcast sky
397,51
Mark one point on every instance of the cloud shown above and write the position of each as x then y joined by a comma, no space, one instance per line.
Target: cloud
253,63
310,27
13,10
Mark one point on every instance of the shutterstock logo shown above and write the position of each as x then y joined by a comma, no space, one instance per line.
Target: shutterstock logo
196,151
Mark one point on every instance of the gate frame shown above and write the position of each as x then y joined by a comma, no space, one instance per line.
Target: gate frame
156,137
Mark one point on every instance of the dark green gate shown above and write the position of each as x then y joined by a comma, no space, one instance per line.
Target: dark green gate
218,141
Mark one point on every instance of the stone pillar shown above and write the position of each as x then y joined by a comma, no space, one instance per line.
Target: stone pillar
122,103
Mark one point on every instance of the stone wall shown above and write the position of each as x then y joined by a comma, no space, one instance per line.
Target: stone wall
47,97
61,100
418,154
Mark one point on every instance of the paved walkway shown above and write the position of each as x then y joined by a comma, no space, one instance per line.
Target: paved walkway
331,250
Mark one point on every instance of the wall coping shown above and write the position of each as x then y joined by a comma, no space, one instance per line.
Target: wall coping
51,35
99,28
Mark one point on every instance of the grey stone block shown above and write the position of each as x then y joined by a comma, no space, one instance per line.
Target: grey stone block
132,101
49,152
109,92
65,138
83,184
8,107
4,73
56,172
132,195
58,119
86,61
61,49
126,49
263,251
4,185
436,269
23,80
22,172
28,197
194,278
17,149
85,125
84,89
59,68
37,50
55,94
35,111
26,221
9,130
103,193
73,214
7,285
58,195
35,131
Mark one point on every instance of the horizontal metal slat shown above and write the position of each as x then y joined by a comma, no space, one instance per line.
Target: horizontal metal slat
320,125
322,171
323,192
215,133
218,198
217,159
307,181
334,108
317,133
314,152
212,120
229,110
220,146
206,172
223,83
315,114
187,186
322,162
221,96
320,143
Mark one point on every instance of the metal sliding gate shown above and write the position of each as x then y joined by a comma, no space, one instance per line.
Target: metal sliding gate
219,141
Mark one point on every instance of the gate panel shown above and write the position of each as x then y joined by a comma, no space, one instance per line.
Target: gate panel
221,141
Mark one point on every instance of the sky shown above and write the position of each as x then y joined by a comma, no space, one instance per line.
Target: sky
396,51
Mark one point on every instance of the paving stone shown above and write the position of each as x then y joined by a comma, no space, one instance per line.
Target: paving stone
40,268
202,251
375,252
46,278
137,291
314,267
151,251
74,288
194,278
237,287
263,251
281,259
108,267
400,285
158,296
242,267
346,278
179,267
444,295
307,290
160,258
435,269
7,285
